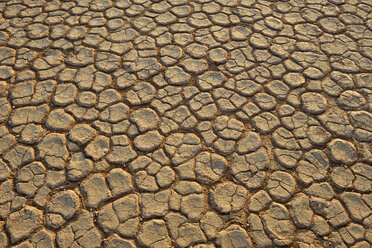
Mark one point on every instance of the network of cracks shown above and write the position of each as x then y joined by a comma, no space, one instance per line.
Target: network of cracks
185,123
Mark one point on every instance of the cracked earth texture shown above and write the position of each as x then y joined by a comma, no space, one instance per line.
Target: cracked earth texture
185,123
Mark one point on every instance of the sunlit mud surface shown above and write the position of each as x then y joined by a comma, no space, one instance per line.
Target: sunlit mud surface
185,123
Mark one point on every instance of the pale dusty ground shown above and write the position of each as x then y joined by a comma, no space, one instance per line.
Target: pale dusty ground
200,123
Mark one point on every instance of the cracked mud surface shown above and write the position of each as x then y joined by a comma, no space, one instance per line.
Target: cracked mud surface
200,123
